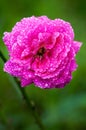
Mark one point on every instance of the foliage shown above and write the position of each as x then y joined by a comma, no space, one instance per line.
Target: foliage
59,108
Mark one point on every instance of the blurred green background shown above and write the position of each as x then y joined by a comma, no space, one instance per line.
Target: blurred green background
60,109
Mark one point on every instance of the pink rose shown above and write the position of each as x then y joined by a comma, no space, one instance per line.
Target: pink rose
42,51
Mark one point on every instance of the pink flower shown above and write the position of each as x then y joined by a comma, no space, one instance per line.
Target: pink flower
42,51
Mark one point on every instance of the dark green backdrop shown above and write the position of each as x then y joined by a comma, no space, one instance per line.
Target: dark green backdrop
60,109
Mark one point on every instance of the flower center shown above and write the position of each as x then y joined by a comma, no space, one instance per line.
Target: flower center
41,52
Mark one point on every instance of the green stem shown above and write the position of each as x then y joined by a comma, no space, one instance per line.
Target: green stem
2,56
29,103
